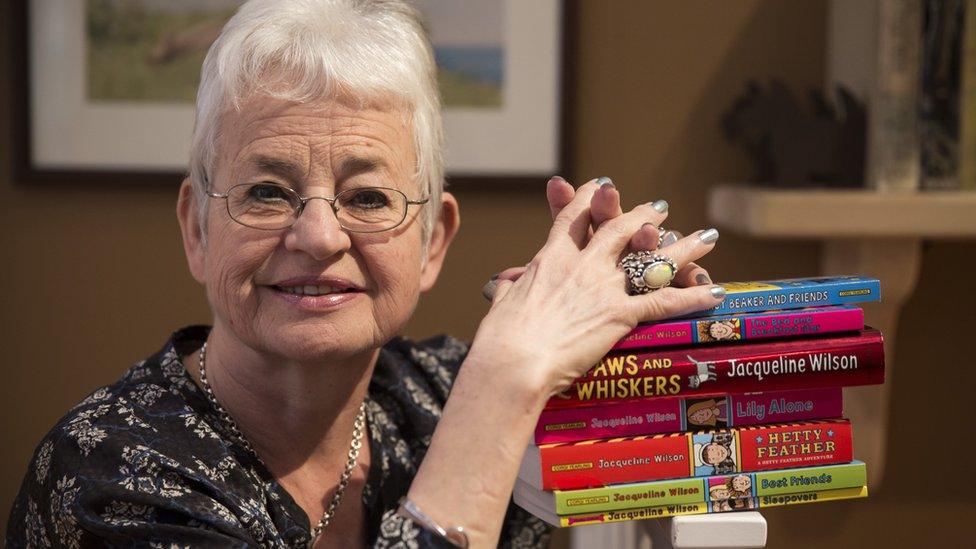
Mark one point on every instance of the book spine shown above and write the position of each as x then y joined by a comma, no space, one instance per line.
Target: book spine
784,406
805,322
668,415
585,465
704,508
747,297
637,459
775,366
712,488
784,446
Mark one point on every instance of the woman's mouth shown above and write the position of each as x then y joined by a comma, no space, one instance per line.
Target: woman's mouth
316,298
313,290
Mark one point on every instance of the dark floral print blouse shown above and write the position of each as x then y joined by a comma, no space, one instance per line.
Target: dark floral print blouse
146,462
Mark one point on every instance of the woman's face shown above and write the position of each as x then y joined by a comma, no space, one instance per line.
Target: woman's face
369,284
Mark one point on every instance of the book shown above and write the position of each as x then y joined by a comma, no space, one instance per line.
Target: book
801,322
793,293
795,498
804,363
596,463
672,414
695,489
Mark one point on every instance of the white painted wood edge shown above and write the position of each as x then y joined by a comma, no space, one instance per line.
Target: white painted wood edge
738,530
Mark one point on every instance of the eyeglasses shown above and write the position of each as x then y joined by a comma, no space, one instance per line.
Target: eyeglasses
270,206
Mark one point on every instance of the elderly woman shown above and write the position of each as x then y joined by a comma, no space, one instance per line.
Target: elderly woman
314,216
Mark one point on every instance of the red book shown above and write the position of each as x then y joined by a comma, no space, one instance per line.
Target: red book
807,363
596,463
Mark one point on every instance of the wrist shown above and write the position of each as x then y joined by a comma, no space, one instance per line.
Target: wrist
520,375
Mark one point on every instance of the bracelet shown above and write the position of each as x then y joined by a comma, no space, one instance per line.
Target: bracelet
455,535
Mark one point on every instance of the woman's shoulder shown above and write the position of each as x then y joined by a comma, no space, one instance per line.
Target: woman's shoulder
141,408
127,452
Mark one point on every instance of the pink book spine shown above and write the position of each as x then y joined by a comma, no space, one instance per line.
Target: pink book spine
793,323
621,419
670,415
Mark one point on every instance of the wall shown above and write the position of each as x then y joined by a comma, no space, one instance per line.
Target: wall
95,277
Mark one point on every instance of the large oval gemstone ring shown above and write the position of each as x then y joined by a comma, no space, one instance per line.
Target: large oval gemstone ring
647,271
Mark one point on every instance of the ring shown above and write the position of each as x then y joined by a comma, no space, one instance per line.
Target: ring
647,271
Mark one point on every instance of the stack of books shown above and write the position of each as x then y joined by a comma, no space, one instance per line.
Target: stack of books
738,407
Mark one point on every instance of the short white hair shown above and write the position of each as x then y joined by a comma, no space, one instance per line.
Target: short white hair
309,50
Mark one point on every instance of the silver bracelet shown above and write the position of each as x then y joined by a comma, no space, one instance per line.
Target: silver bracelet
455,535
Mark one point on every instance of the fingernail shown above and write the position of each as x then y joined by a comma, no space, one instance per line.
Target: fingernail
660,206
488,290
556,178
718,292
604,181
495,276
702,279
708,236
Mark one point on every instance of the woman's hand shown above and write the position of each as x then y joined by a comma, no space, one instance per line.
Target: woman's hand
549,322
605,205
570,305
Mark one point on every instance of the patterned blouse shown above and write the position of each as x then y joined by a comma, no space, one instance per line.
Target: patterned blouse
148,459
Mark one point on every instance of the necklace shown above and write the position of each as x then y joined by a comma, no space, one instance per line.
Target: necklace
354,446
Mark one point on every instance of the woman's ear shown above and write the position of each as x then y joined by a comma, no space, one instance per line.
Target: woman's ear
446,227
193,241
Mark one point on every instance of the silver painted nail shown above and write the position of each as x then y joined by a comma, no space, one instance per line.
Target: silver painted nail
660,206
604,181
488,290
717,292
708,236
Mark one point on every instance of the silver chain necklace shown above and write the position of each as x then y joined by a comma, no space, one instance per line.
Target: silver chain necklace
354,446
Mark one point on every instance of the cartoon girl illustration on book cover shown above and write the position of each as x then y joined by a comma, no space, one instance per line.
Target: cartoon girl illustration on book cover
707,412
740,492
718,495
715,453
719,330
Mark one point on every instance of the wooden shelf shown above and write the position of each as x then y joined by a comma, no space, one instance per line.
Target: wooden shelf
775,213
863,232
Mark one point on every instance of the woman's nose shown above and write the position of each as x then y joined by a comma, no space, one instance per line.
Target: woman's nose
317,231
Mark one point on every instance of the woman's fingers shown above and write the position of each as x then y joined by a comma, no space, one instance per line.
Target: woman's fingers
645,238
691,275
559,193
511,273
691,247
614,234
572,223
501,288
605,204
670,302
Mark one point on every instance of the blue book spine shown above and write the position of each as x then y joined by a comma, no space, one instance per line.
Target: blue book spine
794,293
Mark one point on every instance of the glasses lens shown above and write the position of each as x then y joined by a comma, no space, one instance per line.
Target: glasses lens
371,209
263,205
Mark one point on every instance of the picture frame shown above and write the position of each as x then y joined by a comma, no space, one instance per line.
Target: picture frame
67,129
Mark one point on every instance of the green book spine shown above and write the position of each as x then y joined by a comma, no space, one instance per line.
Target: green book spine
830,477
684,491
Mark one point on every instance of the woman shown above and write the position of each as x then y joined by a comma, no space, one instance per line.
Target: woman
314,216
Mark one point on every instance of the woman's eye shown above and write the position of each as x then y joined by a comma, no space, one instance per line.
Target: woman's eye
368,199
266,193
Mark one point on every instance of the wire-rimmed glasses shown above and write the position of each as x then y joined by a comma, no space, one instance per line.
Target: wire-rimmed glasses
270,206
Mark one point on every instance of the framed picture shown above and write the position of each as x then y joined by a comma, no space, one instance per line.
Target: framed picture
106,87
